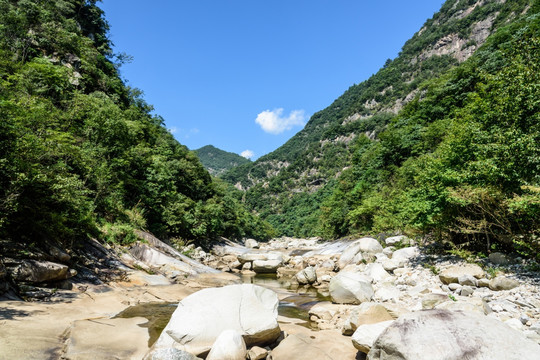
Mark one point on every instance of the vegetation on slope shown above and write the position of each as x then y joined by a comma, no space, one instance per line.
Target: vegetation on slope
462,161
218,161
362,163
81,153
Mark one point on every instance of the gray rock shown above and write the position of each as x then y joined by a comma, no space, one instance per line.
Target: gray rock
387,292
498,258
451,274
38,271
483,283
350,288
169,354
364,337
257,353
266,266
400,239
306,276
327,345
429,301
503,283
451,335
201,317
229,345
536,327
251,243
466,291
59,254
467,280
353,253
249,257
172,266
376,272
390,265
405,254
364,314
454,286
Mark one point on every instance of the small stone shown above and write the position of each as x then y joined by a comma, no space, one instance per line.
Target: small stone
306,276
257,353
524,319
466,291
503,283
467,280
483,283
454,286
401,239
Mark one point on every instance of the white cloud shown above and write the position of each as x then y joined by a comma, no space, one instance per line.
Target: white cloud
248,154
274,122
173,130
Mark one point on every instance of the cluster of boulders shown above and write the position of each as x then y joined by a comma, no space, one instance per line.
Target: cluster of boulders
371,285
35,273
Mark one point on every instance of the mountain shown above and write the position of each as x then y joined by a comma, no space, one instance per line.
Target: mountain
353,159
218,161
81,154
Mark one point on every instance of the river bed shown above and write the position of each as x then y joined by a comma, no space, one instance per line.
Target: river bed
294,304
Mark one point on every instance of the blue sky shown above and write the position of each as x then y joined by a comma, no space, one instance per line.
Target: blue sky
246,75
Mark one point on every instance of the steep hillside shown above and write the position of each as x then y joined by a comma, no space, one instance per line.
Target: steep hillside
288,186
218,161
81,154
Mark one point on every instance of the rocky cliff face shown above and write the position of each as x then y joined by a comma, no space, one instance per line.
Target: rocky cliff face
314,158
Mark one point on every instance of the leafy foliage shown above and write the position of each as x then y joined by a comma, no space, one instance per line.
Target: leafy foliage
81,153
360,165
463,161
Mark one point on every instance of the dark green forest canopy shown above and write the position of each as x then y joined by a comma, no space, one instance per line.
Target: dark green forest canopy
81,153
459,162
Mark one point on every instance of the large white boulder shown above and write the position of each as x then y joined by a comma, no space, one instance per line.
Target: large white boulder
350,288
451,335
452,273
353,253
201,317
251,243
228,346
401,256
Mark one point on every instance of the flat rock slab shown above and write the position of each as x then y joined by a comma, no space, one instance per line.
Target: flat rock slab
107,339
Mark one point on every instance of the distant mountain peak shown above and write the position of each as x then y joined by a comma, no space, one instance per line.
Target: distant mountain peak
218,161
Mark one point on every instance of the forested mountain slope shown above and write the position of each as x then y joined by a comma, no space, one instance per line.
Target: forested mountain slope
80,152
342,172
218,161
